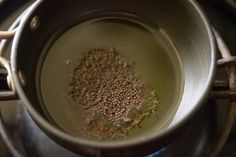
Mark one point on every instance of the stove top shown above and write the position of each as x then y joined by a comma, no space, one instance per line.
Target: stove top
198,139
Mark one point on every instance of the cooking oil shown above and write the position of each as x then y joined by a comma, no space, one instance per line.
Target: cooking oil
140,40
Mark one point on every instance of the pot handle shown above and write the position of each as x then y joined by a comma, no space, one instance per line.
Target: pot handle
7,92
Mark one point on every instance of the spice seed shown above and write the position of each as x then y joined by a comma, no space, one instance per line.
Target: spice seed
105,85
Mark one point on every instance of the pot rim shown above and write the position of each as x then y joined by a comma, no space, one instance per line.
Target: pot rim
109,144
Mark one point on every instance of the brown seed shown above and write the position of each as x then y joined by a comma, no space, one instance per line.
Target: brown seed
103,83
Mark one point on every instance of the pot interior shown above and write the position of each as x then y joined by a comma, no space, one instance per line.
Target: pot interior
155,57
172,49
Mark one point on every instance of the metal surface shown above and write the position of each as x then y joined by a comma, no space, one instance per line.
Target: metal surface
189,52
231,69
177,148
225,24
7,34
8,141
6,7
201,133
225,61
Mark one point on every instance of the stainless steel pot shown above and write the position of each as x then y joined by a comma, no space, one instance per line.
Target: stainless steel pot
184,23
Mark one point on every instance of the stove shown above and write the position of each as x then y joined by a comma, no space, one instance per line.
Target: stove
197,141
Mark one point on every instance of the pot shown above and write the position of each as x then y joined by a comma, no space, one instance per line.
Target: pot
50,25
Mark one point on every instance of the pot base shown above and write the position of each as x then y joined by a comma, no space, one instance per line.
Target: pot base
37,144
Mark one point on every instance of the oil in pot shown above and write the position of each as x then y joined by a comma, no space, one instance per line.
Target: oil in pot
149,58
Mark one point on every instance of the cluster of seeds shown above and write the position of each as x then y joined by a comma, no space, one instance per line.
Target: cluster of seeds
107,88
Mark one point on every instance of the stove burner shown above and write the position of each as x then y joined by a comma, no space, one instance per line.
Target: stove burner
199,137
